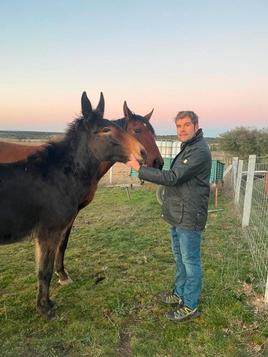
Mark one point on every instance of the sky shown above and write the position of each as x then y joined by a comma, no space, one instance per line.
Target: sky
207,56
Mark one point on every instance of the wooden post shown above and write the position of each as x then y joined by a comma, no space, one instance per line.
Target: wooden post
111,176
216,196
266,292
266,183
128,194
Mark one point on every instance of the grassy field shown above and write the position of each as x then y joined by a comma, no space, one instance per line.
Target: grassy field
119,257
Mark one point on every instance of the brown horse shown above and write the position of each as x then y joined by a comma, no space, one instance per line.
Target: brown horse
136,125
43,193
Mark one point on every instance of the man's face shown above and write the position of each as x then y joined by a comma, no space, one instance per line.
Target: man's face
186,129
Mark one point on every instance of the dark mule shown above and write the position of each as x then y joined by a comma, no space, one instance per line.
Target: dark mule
141,129
43,193
136,125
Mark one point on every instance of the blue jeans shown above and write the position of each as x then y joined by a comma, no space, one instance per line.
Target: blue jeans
186,247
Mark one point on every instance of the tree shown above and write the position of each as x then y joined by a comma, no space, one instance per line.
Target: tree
245,141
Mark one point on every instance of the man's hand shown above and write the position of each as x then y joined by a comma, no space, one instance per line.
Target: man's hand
133,163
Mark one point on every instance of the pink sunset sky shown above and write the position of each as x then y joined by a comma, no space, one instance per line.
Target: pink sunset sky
207,56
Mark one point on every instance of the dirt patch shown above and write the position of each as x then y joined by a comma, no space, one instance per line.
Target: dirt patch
255,299
124,346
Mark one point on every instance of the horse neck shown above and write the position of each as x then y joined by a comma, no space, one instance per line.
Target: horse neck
80,155
103,168
70,155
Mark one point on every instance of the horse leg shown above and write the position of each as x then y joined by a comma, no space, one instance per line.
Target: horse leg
64,278
45,255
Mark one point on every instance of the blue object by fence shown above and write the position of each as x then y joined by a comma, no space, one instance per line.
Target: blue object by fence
167,163
133,173
216,173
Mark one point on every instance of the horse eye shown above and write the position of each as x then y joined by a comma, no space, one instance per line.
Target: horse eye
137,131
106,129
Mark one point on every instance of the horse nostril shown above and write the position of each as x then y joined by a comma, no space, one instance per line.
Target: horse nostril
143,154
157,164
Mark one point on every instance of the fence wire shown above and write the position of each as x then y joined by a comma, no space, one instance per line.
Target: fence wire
256,233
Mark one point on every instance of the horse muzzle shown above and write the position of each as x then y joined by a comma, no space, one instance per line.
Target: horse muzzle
158,164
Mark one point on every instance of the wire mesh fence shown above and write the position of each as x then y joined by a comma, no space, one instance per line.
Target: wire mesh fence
249,189
168,148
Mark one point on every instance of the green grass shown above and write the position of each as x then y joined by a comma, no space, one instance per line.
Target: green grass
125,243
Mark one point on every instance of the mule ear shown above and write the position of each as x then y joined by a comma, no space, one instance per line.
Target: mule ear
127,112
86,105
100,106
148,116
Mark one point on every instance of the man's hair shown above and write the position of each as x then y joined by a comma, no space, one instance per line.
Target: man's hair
187,113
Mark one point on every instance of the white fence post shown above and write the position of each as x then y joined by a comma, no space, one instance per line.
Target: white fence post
234,165
238,181
249,189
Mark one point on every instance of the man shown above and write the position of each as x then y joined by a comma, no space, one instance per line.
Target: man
185,207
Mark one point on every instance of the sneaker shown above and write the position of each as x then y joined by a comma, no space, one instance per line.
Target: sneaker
168,298
182,313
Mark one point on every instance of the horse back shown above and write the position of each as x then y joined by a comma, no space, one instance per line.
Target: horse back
11,152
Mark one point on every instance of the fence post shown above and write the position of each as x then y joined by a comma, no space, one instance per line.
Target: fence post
266,183
111,176
249,189
238,181
234,165
266,292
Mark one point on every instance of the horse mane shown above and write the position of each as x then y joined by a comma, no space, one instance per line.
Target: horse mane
55,153
122,122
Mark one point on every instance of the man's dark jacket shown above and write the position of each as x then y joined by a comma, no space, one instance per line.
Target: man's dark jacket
186,193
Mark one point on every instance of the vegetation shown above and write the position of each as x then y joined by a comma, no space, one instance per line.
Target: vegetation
244,141
27,135
119,257
43,135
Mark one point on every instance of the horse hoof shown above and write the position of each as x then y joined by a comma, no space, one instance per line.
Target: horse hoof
48,311
65,282
64,278
52,305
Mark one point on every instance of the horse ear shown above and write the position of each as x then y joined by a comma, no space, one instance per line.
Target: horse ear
100,106
86,105
127,112
148,116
